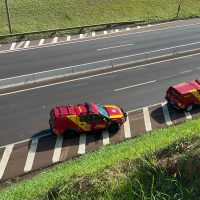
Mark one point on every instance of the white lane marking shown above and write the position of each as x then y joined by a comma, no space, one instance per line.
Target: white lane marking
147,120
13,46
82,143
198,68
68,37
105,32
93,33
149,25
166,114
123,45
19,45
105,135
81,36
188,115
26,44
58,148
187,71
127,28
127,130
55,39
87,77
132,86
31,155
116,30
166,77
138,26
41,42
92,39
6,155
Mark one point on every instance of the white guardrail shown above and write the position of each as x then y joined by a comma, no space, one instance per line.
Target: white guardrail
93,66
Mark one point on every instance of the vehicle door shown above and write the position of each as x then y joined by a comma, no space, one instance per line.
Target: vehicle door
98,122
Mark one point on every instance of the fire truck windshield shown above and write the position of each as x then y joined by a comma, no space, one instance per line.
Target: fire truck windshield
102,111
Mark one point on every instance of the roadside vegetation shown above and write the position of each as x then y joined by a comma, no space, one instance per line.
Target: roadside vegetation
34,15
163,164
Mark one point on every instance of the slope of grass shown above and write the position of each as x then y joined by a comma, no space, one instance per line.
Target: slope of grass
99,161
34,15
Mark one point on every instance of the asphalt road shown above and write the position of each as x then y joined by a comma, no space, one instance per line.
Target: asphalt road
26,114
95,50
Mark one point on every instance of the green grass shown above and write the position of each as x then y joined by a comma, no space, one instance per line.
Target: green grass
100,161
34,15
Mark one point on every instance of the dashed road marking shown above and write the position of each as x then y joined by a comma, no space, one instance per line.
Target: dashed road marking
58,148
5,158
31,155
188,115
187,71
13,46
132,86
127,130
68,37
81,36
138,26
41,42
19,45
93,33
166,114
113,47
147,121
127,28
82,143
26,44
116,30
105,137
55,39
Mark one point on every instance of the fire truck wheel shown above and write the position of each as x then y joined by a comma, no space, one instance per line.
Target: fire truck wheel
114,127
69,133
189,107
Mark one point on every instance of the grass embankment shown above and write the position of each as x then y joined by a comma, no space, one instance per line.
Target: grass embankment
163,164
34,15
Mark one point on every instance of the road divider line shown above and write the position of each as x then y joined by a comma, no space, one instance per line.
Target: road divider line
132,86
123,45
127,130
188,115
82,144
58,148
166,114
41,42
31,155
13,46
26,44
147,120
105,135
5,158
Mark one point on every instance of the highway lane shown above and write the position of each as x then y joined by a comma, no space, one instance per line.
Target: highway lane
76,53
26,114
